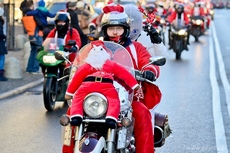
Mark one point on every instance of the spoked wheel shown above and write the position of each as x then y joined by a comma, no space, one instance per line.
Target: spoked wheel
49,93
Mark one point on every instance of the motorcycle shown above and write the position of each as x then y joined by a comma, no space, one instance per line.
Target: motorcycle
178,39
93,135
197,29
56,72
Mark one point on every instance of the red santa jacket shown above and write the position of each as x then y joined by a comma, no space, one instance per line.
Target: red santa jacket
200,11
74,36
174,15
140,57
111,68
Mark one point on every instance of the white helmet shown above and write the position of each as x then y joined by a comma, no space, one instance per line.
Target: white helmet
136,18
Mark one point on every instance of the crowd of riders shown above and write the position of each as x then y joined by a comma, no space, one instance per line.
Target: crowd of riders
116,24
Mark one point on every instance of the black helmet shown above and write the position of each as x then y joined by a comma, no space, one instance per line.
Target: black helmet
179,8
62,16
150,8
115,18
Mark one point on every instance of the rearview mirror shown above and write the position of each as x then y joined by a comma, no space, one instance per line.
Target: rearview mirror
59,55
159,61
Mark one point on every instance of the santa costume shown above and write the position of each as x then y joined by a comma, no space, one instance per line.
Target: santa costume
97,75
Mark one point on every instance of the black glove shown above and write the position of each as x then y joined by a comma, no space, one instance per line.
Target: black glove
111,123
76,121
149,75
92,29
73,49
189,25
167,23
154,35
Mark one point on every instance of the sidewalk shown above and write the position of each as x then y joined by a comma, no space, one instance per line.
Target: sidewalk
16,86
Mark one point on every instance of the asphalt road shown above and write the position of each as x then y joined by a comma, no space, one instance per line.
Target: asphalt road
194,97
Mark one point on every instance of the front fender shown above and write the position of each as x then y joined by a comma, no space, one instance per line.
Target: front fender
92,143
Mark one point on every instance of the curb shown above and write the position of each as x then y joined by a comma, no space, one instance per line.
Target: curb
21,89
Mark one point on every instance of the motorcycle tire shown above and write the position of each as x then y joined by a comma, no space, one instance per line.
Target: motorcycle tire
178,55
196,38
49,93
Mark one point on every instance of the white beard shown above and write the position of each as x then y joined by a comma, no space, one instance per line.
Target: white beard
97,57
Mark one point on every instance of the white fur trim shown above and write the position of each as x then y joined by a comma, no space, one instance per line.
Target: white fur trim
160,50
68,93
134,53
92,24
134,86
77,115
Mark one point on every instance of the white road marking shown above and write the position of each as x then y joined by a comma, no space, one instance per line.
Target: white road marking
221,143
222,71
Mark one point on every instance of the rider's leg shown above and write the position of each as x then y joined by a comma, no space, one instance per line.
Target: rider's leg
143,128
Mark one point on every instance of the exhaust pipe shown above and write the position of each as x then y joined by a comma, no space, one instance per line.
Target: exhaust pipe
159,139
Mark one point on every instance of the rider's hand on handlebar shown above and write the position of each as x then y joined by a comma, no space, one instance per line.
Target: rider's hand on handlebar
76,121
73,49
149,75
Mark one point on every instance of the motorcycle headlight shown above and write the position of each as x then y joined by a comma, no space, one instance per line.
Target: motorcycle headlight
95,105
198,22
49,59
211,12
182,32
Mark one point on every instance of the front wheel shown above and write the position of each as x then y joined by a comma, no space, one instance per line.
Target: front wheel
178,55
196,38
49,93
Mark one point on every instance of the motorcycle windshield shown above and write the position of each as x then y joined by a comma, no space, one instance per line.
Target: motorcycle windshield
53,44
118,54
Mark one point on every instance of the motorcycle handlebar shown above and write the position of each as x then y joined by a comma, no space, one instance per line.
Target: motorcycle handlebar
139,77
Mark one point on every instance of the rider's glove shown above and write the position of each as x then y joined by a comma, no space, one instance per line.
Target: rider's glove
149,75
167,23
76,121
152,32
73,49
92,29
111,123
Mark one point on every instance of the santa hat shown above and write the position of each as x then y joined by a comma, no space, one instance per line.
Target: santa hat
113,8
97,43
110,3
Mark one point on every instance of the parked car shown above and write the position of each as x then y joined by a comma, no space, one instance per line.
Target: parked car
56,6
